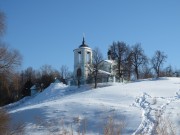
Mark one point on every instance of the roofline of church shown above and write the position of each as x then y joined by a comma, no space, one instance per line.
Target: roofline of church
82,48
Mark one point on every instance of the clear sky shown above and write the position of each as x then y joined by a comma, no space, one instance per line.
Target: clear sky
47,31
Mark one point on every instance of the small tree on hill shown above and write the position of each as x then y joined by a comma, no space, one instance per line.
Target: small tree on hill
64,73
157,61
138,59
47,75
120,52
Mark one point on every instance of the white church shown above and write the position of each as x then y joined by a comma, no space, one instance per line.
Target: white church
83,57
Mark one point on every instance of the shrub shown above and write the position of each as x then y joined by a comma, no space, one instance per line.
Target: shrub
108,127
113,128
164,126
4,122
6,129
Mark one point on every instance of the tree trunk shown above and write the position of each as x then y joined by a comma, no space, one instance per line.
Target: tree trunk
158,73
137,73
119,69
119,73
95,82
95,79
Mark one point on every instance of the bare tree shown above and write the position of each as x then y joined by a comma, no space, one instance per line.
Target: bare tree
157,61
64,72
128,66
46,69
16,86
47,76
9,58
120,52
146,71
96,65
169,71
138,58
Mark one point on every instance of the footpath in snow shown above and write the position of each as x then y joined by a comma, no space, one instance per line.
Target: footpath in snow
151,111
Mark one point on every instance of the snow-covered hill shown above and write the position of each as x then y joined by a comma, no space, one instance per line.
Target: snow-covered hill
133,103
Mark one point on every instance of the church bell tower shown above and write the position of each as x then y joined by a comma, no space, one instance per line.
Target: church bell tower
82,60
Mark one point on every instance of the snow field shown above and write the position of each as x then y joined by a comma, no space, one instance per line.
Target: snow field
133,103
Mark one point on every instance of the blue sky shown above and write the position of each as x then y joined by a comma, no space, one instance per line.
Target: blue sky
47,31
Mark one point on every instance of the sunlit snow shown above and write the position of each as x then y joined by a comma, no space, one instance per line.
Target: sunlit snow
134,103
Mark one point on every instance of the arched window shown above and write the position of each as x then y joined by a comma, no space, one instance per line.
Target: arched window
88,57
79,57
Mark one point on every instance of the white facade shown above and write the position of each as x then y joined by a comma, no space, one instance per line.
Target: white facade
82,58
82,62
107,71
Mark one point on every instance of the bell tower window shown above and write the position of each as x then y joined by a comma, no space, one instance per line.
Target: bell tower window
79,57
88,55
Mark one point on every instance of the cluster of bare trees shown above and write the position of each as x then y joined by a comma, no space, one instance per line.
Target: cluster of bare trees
42,78
15,84
132,62
10,59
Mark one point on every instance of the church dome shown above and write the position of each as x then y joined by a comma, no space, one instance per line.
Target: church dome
83,44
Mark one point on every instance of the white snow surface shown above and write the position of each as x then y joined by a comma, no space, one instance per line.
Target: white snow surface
133,103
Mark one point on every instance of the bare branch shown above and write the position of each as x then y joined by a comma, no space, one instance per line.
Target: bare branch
2,23
9,59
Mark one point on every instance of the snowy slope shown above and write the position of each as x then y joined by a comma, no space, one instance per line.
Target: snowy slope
133,103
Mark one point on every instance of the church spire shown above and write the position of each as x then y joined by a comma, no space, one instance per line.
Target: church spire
83,43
